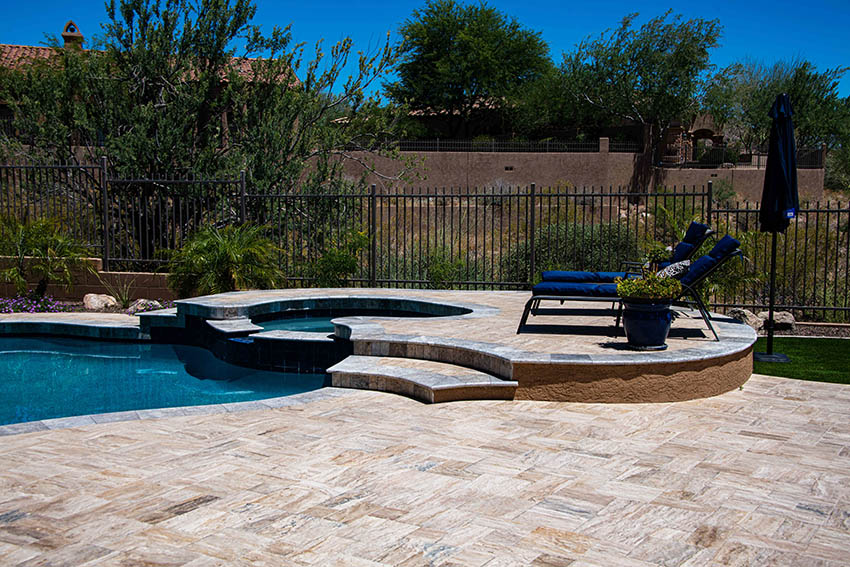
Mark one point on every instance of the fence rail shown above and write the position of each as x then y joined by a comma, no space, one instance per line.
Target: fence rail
482,238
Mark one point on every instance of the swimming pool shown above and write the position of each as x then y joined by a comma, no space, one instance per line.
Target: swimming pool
49,377
301,324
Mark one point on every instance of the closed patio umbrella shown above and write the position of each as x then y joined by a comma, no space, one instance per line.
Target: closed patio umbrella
779,200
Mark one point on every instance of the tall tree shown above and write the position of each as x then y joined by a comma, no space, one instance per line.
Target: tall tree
459,60
651,76
740,96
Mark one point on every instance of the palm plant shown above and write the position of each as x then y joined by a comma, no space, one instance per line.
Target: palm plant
40,250
218,260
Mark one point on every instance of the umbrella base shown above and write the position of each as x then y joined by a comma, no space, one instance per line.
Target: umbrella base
775,357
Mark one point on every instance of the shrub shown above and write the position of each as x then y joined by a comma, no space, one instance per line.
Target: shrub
440,270
218,260
571,246
340,262
40,250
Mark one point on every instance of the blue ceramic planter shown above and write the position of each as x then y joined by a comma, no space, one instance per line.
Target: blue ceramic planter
647,323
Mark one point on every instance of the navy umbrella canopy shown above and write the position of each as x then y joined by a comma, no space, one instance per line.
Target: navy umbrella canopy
779,200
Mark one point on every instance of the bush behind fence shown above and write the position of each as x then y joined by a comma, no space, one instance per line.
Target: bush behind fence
468,238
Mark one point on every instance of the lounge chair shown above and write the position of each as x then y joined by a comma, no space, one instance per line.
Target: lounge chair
725,249
696,234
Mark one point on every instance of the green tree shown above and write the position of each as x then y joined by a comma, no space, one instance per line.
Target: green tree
651,76
740,96
463,60
165,92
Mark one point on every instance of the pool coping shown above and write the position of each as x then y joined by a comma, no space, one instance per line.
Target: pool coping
322,393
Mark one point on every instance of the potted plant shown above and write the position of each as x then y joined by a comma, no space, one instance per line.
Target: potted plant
646,309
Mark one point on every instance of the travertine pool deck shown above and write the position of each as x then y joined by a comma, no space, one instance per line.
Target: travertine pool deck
753,477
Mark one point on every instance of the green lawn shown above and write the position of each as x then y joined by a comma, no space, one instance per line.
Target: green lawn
820,360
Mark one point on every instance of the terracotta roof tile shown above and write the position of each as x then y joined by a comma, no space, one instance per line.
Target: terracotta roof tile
14,56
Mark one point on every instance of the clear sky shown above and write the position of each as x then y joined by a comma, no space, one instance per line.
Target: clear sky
764,30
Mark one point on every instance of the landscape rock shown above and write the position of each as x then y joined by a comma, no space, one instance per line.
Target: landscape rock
782,320
746,316
143,305
98,301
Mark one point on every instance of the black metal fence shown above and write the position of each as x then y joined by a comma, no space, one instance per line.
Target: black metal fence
469,238
496,145
732,156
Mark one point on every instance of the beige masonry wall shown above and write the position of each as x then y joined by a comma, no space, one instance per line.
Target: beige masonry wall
598,169
143,285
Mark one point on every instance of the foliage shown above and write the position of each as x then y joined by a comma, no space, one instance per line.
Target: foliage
28,304
650,286
461,60
723,191
122,292
655,252
441,270
165,92
219,260
740,96
570,246
40,250
340,262
837,170
652,75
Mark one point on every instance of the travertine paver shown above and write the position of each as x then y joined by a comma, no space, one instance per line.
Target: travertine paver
752,477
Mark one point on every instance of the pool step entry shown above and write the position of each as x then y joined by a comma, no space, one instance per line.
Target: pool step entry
423,380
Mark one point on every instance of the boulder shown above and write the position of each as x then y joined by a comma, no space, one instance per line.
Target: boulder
782,320
98,301
143,305
746,316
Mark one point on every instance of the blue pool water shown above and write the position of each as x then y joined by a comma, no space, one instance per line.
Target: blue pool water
47,377
303,324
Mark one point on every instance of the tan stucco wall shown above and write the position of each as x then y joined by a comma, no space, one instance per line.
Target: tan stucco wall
598,169
633,383
144,285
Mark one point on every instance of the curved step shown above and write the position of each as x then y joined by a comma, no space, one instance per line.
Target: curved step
423,380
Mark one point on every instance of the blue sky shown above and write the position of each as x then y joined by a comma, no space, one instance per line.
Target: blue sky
816,30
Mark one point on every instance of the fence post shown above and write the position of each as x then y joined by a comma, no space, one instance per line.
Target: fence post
532,262
373,248
104,255
710,204
243,216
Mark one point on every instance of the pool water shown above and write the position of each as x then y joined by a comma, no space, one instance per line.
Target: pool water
48,377
303,324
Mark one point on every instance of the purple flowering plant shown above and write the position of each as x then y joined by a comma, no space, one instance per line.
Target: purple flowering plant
29,304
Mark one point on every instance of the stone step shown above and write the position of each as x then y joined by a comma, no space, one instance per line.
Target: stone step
423,380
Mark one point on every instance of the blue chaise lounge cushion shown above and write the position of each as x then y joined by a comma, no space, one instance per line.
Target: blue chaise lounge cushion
703,264
575,289
584,277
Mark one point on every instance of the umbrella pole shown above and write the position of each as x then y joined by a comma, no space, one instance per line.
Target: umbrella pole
770,356
772,300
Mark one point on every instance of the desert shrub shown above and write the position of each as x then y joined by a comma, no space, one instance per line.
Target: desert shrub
217,260
339,262
568,246
40,250
440,270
